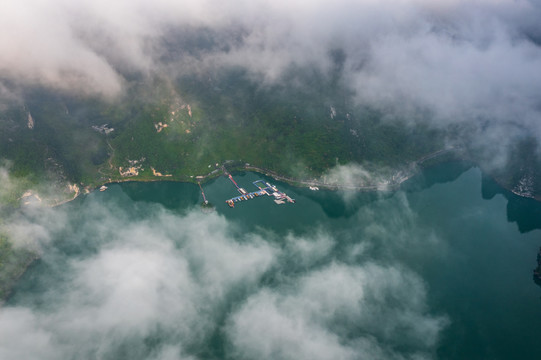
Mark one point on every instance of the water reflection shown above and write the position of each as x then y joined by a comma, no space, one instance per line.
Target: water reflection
438,174
344,204
537,270
172,195
524,211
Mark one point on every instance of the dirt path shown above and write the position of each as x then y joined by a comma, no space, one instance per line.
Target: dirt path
109,161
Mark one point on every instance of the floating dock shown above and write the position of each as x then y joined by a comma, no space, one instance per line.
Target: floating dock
264,189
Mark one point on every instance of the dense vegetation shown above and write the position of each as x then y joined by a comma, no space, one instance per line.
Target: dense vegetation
298,128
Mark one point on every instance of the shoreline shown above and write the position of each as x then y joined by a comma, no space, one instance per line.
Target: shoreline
406,171
393,183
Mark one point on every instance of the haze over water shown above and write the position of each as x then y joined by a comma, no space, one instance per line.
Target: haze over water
139,272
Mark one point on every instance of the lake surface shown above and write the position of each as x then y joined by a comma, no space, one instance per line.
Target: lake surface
439,269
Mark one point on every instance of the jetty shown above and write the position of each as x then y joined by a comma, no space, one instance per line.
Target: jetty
264,189
203,193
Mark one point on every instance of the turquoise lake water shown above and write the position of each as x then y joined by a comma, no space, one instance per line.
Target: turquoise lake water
440,269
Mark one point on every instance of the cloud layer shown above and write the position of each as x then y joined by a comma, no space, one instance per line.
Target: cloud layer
460,60
338,312
152,284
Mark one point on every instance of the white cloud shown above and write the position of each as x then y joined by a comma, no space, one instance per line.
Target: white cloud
162,274
339,312
182,279
459,59
304,252
351,174
24,338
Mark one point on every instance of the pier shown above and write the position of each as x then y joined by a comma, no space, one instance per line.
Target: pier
203,193
264,189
